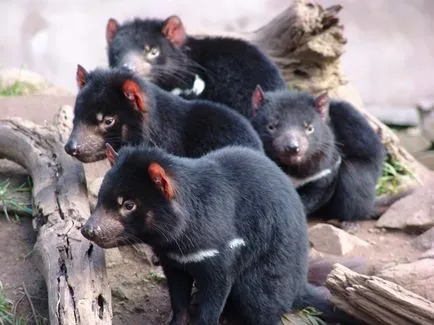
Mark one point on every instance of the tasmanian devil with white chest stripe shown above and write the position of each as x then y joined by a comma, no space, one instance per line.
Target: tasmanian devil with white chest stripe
327,147
115,106
220,69
215,221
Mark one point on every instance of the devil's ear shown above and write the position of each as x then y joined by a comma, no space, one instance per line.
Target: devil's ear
111,30
134,94
174,31
161,180
81,76
322,105
257,99
111,154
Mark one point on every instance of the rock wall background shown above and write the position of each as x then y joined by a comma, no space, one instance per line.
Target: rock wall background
389,55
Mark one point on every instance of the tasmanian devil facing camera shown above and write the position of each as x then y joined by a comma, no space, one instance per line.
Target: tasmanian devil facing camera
115,106
329,150
220,69
213,220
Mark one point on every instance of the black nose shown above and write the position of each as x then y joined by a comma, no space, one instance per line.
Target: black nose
292,147
71,147
89,232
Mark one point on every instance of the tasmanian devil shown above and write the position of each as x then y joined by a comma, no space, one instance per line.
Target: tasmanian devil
230,220
220,69
329,150
115,106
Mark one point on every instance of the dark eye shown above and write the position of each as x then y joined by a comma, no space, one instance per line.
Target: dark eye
309,129
108,121
153,53
271,127
129,205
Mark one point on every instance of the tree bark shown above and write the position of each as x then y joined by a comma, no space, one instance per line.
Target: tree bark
306,41
377,301
73,268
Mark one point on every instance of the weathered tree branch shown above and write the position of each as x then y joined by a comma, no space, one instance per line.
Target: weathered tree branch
377,301
73,268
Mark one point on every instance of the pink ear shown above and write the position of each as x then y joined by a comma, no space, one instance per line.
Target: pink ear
322,105
257,99
81,76
111,154
133,92
111,29
161,180
174,31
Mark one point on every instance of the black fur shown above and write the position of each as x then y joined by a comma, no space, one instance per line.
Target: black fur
348,192
182,127
231,68
230,193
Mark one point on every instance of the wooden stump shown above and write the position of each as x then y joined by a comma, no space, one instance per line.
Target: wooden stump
73,267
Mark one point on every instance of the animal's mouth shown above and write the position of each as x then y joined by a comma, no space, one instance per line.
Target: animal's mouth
90,157
114,241
291,159
108,243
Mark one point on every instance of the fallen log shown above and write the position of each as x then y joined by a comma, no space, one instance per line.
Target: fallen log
377,301
73,268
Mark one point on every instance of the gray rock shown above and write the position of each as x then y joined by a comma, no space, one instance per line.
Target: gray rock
428,254
426,158
425,110
413,140
314,254
424,241
417,276
413,211
329,239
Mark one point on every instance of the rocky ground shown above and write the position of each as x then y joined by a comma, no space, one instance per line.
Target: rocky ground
398,247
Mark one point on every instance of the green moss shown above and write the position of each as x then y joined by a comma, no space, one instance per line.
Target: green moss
6,316
311,316
391,179
8,199
18,88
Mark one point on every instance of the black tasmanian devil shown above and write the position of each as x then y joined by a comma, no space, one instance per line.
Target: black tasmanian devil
221,69
115,106
230,220
327,147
